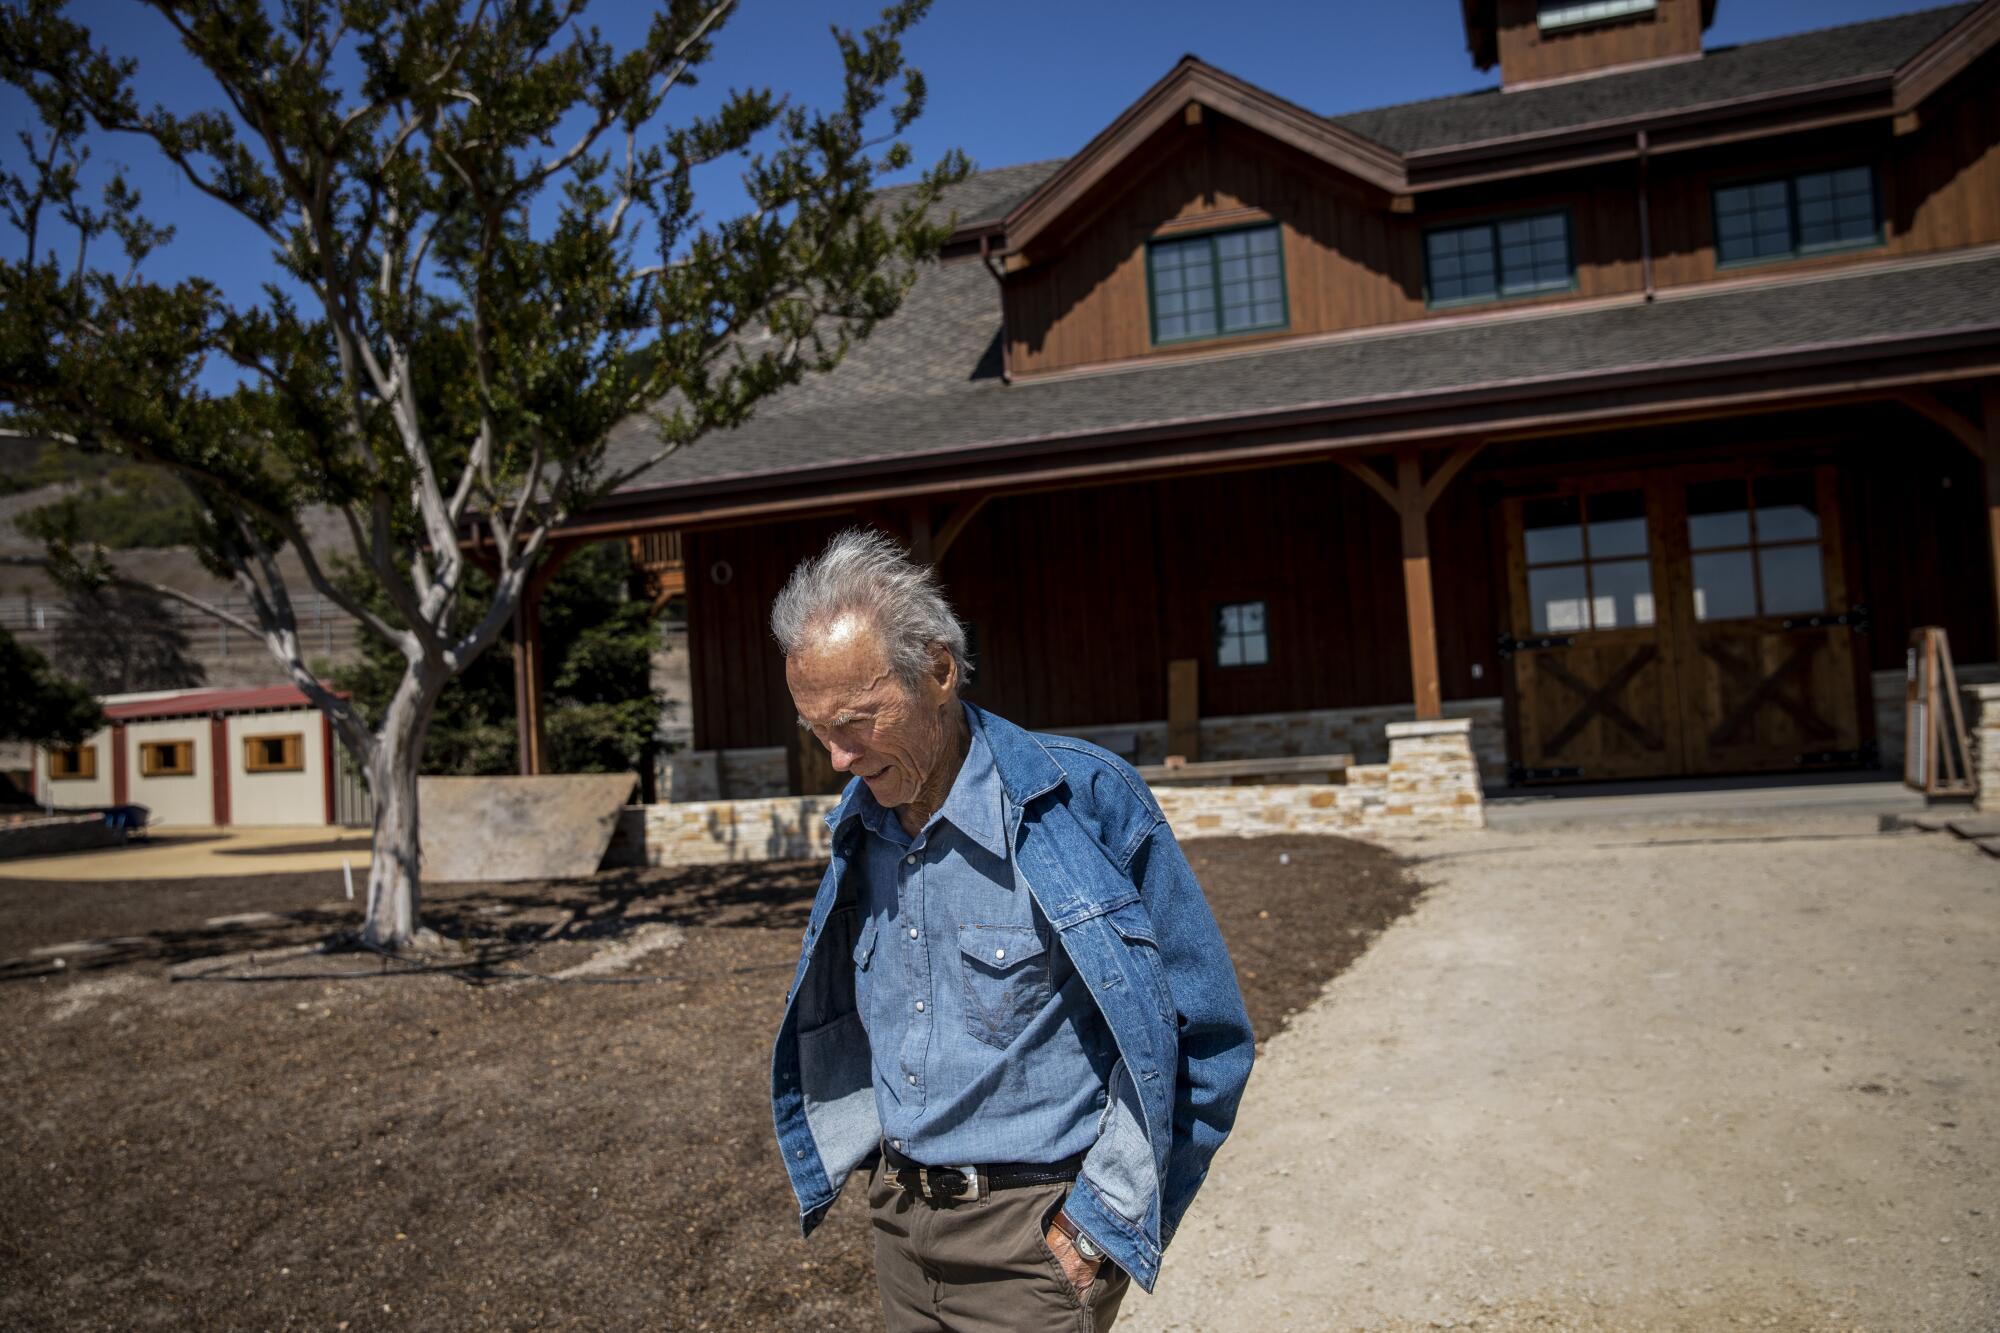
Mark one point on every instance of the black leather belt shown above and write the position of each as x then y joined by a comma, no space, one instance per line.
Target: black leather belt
944,1184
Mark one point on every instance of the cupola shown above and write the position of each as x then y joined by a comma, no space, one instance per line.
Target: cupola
1541,41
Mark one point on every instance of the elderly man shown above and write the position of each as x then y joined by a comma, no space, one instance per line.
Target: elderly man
1012,1001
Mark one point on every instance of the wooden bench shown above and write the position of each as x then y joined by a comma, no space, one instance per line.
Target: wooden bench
1279,769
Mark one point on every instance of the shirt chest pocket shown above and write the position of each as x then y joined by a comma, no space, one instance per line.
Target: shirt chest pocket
1005,972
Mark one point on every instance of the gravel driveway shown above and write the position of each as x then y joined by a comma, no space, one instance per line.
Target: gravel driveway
1696,1077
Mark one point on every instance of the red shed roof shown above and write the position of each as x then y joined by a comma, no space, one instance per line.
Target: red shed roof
204,702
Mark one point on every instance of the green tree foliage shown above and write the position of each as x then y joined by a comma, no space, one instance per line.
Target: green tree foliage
601,713
127,507
491,253
114,640
40,705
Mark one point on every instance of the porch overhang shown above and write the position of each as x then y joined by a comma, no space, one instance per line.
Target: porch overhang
1780,377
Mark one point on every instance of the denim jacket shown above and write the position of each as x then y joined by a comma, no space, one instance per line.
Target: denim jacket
1104,868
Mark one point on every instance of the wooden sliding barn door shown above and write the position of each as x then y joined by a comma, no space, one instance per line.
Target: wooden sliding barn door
1595,694
1768,677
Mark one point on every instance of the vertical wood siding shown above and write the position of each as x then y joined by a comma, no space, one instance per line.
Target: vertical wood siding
1352,264
1527,53
1079,599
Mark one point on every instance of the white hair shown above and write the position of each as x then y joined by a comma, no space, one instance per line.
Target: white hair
864,572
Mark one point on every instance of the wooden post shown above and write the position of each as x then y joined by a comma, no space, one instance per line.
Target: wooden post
1991,404
1184,708
218,755
531,667
1414,512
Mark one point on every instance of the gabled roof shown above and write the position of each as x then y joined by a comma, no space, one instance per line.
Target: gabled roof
1193,81
1725,74
1889,63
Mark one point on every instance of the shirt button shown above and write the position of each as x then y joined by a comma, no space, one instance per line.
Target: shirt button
912,1079
913,932
920,1006
910,860
897,1144
999,953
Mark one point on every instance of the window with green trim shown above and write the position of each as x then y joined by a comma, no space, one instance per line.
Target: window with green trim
1805,214
1486,261
1216,284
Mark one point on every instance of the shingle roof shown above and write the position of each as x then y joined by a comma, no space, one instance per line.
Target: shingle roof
1778,65
928,380
985,196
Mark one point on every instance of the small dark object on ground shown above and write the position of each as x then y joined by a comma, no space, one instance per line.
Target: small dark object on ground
415,1152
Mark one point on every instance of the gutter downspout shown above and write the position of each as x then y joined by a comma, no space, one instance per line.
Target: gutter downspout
1645,219
1000,280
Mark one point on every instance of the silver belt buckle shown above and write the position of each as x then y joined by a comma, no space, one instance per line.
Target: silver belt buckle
971,1173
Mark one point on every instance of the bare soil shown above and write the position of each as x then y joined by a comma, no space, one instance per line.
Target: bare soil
210,1129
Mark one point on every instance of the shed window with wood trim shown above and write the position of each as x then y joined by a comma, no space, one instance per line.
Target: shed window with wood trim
1485,261
1789,216
1216,284
74,763
274,754
166,759
1242,636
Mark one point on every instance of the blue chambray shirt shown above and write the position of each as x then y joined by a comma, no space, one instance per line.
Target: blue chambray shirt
985,1043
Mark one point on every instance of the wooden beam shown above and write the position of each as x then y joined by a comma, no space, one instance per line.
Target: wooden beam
1959,426
1417,601
1366,471
961,514
1192,115
1990,401
1450,468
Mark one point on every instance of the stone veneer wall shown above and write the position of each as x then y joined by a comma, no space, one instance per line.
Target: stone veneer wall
1889,687
772,828
710,775
1430,783
1985,728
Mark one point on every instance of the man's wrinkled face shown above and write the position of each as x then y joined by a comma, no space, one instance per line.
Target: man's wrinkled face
893,737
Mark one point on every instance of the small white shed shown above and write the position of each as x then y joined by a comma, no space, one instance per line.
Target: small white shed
202,758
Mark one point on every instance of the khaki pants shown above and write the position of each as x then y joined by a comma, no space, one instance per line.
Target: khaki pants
981,1265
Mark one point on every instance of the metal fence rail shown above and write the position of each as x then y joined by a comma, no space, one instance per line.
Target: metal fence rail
324,629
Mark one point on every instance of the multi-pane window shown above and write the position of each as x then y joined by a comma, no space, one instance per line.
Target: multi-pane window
1565,13
1241,636
1489,260
274,754
1755,547
1217,283
166,759
1796,215
73,763
1587,561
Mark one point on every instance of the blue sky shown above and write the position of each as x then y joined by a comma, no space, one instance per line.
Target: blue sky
1016,83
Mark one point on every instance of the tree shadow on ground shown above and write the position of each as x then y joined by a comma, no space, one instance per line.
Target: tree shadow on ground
483,925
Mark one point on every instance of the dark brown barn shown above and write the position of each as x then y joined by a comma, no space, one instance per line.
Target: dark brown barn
1636,409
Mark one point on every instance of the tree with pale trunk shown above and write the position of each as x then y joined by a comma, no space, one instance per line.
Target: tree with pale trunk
483,222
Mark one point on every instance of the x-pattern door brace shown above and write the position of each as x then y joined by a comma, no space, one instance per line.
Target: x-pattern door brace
1601,700
1770,689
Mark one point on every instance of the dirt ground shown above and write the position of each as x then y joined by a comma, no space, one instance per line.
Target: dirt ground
198,1139
1701,1077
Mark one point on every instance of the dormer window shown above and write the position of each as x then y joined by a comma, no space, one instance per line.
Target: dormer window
1488,261
1796,215
1570,13
1216,284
